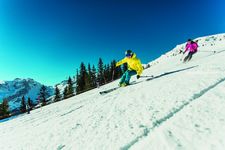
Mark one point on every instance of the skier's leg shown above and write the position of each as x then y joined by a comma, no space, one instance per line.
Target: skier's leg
122,79
190,56
192,53
128,76
187,57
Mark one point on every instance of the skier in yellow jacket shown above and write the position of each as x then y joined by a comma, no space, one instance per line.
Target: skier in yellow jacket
134,67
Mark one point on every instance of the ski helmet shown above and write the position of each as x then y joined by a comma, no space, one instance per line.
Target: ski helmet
128,53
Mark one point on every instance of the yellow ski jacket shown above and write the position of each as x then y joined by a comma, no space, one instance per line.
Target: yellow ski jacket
133,64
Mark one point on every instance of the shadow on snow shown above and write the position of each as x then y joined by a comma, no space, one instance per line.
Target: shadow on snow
171,72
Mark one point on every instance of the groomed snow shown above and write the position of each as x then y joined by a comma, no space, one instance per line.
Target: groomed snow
182,107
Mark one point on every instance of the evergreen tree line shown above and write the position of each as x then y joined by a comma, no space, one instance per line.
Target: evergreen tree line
26,106
88,77
67,93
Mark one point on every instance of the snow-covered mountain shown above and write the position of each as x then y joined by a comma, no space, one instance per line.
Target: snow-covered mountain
181,107
62,85
14,90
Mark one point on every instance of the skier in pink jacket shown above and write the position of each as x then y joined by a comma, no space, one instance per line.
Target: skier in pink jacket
192,47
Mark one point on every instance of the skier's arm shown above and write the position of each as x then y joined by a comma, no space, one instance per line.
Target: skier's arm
121,62
186,48
140,68
195,46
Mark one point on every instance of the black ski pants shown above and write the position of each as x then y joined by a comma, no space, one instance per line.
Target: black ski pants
189,56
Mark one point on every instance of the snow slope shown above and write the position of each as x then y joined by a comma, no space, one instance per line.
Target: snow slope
182,107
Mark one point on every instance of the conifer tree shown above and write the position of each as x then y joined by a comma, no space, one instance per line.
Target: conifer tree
82,79
57,94
78,84
109,73
43,95
65,92
77,81
93,77
5,108
23,105
101,78
1,112
30,103
70,91
88,78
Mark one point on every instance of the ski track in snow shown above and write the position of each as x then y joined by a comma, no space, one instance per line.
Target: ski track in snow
71,111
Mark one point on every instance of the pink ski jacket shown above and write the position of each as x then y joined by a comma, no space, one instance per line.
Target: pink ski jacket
192,47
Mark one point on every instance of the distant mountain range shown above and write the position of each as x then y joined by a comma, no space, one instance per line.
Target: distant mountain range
14,90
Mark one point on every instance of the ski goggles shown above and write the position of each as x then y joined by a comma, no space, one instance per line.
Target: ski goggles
128,55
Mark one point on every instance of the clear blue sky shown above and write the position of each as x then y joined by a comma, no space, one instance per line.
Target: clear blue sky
47,39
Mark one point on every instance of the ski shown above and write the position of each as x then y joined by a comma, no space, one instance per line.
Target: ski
109,90
115,88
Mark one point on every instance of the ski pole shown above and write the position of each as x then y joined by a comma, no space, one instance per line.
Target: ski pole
146,76
208,51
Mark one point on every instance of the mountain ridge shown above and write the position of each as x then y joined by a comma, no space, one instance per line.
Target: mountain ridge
15,89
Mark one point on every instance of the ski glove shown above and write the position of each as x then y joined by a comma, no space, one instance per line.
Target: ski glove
138,76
